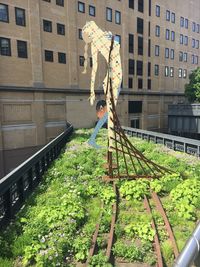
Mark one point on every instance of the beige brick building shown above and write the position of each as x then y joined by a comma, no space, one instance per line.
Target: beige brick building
41,58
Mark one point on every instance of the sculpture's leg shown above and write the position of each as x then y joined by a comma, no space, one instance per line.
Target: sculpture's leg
96,130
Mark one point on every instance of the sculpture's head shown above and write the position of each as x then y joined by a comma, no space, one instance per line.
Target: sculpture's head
88,31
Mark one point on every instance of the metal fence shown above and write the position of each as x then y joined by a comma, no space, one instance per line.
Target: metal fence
189,146
191,252
18,184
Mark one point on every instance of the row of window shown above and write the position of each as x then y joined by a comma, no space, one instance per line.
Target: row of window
170,16
5,48
169,72
20,17
22,51
140,83
109,12
47,27
58,2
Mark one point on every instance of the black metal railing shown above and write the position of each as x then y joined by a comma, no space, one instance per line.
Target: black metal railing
187,145
19,183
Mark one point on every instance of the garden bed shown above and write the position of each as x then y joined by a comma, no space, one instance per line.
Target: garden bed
56,224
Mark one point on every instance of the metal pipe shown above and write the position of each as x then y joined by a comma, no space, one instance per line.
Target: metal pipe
191,250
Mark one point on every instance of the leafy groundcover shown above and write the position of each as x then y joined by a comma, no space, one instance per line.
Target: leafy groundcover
55,226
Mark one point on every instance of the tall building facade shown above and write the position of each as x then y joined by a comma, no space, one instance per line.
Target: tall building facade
42,57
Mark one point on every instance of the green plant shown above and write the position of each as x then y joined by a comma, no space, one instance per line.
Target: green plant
99,260
134,189
140,230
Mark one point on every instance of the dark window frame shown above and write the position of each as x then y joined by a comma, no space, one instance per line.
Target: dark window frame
141,6
140,45
59,26
140,25
139,68
117,17
80,34
131,43
131,67
60,2
61,59
157,11
149,84
130,83
140,83
23,23
108,9
7,13
48,55
92,8
81,4
46,29
131,4
81,61
9,47
22,54
156,70
134,107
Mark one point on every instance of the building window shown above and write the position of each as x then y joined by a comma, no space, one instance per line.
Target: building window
141,6
20,16
193,26
181,38
131,67
130,83
198,28
139,67
157,31
149,8
196,60
47,25
167,15
182,22
131,43
81,7
139,25
48,55
4,16
185,57
149,69
172,54
81,61
192,59
117,17
180,56
171,72
60,2
92,11
149,29
157,50
118,39
157,11
197,44
186,23
108,14
22,49
140,45
135,124
47,1
184,74
156,70
149,84
140,83
60,29
193,43
80,34
166,71
173,17
61,58
185,40
149,48
167,34
180,73
166,52
173,36
131,4
134,106
5,47
91,63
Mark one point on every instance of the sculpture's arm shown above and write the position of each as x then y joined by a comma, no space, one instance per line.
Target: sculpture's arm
94,52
